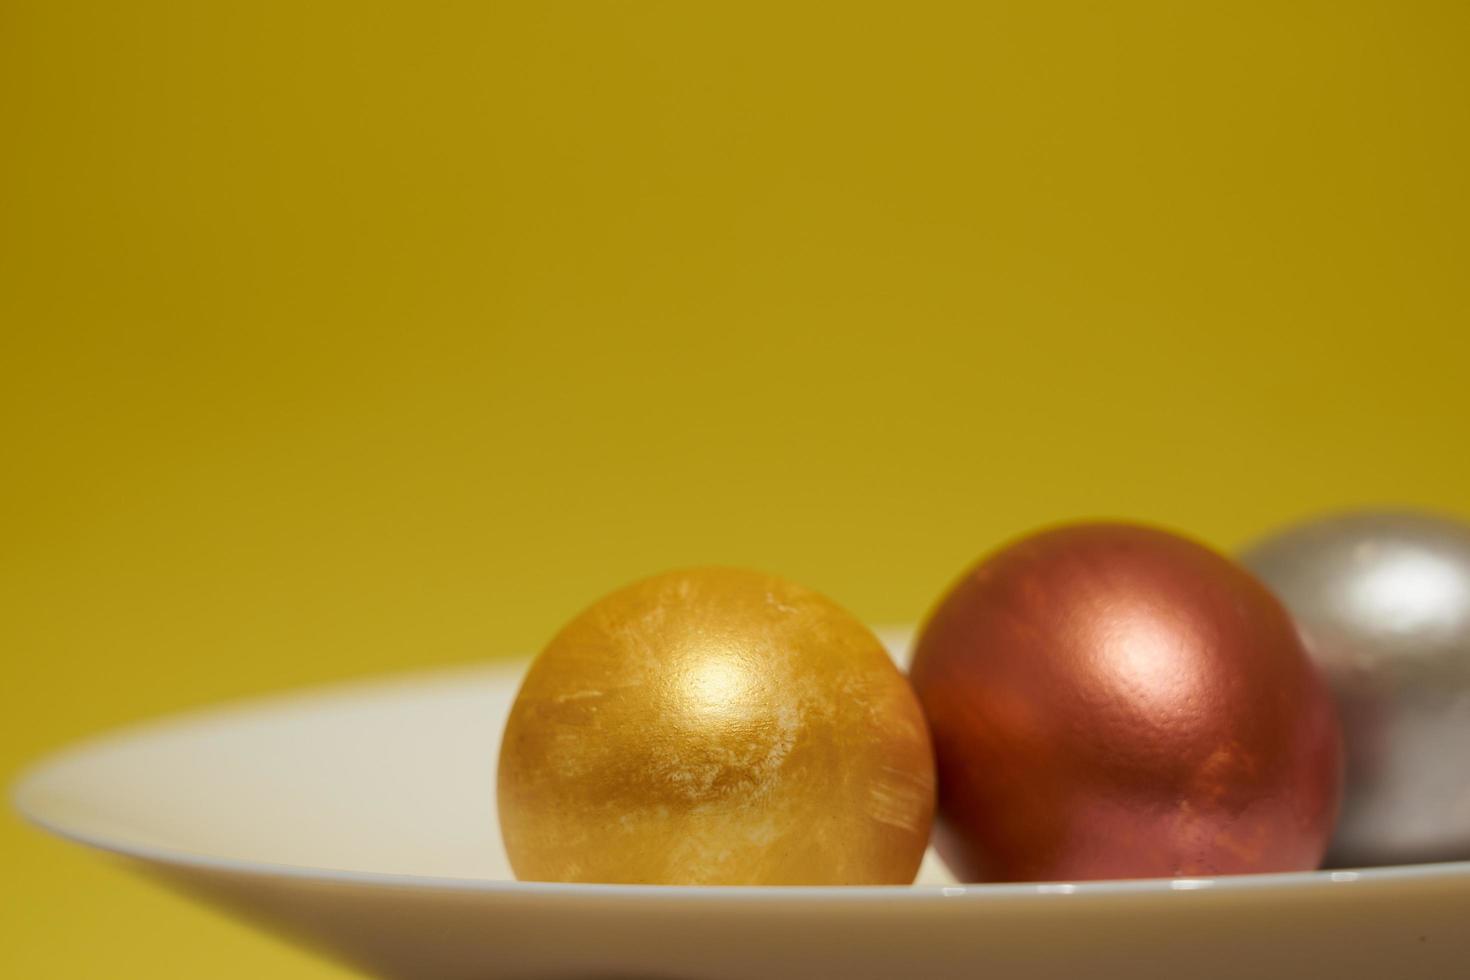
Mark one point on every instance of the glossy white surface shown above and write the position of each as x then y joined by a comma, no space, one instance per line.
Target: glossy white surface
361,820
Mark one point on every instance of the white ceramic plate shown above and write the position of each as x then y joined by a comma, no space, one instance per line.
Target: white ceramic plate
361,820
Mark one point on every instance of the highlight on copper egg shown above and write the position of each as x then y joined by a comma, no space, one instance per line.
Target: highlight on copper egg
1115,701
715,726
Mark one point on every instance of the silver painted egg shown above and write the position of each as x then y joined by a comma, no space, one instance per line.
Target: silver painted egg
1382,600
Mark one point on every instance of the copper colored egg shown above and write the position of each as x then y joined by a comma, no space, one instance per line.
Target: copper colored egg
1115,701
716,726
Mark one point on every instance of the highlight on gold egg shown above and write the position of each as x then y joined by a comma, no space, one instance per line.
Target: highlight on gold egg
716,726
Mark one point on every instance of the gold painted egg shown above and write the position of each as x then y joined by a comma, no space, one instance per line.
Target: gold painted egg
716,726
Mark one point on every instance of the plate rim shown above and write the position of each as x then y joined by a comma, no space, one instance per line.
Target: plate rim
980,891
25,788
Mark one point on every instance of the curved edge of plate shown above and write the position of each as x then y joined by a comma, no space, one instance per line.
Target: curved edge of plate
27,793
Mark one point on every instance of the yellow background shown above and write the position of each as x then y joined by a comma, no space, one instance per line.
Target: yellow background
339,338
